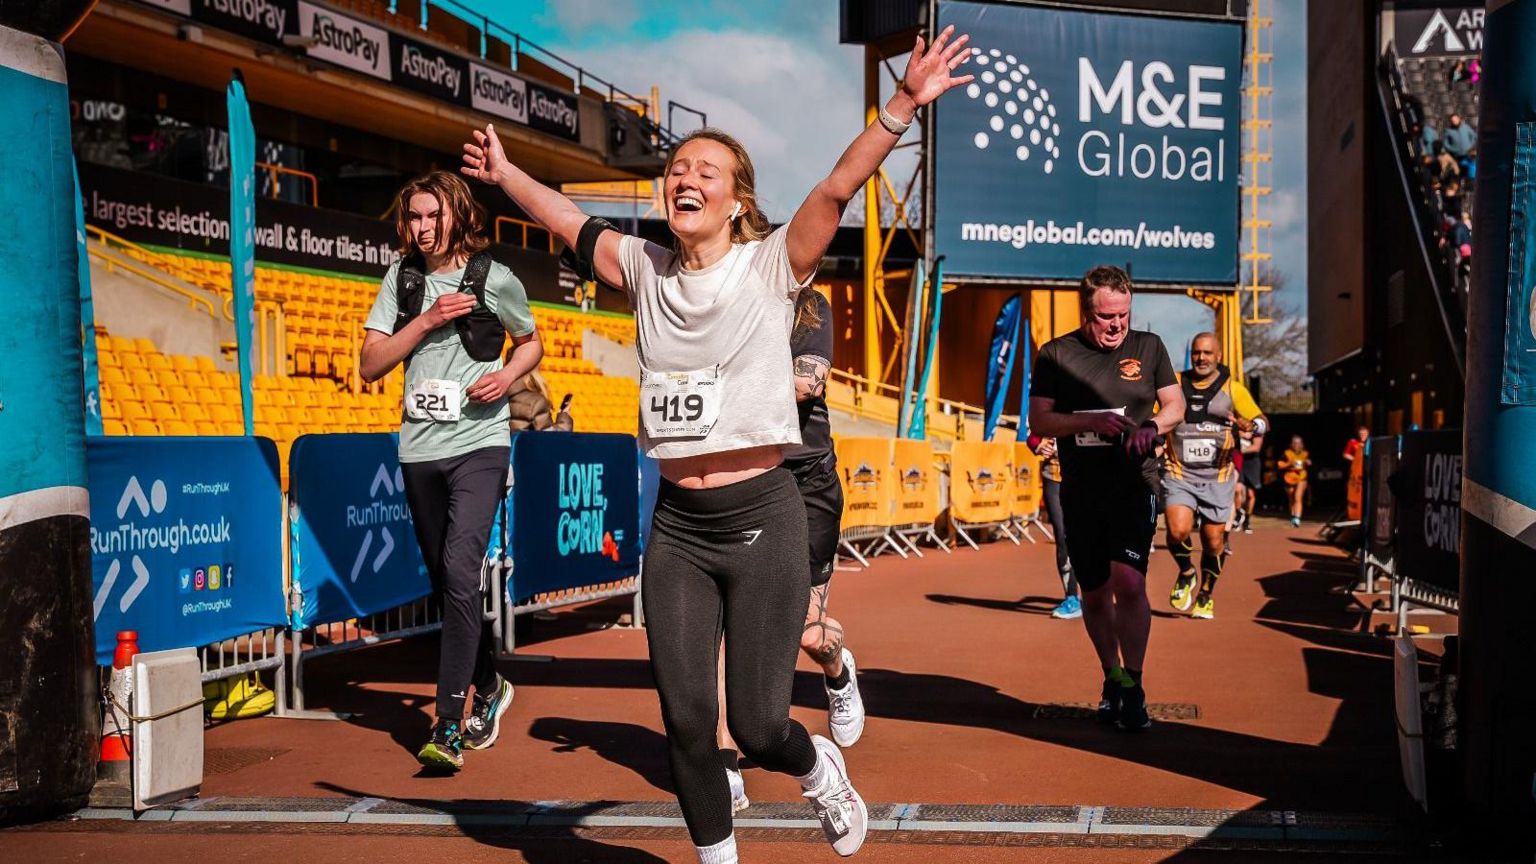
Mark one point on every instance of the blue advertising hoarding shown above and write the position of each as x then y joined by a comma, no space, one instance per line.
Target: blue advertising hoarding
354,546
1090,138
186,540
574,511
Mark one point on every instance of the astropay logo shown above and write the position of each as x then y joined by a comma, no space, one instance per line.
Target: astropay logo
384,509
435,70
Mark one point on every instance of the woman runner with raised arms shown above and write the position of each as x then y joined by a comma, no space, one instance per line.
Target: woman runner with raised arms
717,404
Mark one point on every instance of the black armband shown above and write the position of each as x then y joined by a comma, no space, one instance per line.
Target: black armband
585,263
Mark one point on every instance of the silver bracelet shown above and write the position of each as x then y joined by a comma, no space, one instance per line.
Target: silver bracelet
891,124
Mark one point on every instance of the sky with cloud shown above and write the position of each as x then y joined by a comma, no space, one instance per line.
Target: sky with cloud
772,73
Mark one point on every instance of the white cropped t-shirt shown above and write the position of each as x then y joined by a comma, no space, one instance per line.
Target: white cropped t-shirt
734,317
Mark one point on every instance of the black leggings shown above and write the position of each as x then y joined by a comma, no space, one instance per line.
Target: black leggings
453,502
731,558
1059,530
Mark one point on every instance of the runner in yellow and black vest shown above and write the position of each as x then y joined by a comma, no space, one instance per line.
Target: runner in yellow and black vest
1199,476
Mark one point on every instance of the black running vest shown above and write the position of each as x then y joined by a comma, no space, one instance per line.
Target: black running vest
1197,400
480,331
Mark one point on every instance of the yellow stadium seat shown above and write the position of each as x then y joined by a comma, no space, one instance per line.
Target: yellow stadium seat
143,427
156,362
204,363
110,426
194,381
182,362
177,427
113,375
193,412
180,396
134,411
235,427
123,345
152,393
163,411
145,346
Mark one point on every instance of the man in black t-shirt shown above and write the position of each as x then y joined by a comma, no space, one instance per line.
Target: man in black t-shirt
1108,394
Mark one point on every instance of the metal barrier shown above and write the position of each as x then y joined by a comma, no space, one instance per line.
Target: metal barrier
874,538
508,611
415,618
242,655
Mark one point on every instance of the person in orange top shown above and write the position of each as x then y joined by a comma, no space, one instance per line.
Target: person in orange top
1295,464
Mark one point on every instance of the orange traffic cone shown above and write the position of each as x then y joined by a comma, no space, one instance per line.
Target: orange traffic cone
114,774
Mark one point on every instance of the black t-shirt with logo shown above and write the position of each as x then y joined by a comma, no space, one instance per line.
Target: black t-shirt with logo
1080,376
815,425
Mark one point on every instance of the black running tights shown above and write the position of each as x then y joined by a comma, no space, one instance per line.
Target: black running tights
730,559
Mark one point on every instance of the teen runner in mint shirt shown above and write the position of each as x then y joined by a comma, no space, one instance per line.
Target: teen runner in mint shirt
454,439
441,355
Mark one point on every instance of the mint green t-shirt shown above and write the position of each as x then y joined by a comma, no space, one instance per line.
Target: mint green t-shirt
441,356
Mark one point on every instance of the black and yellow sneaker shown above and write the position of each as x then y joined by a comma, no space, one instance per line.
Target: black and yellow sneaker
1133,709
1109,702
484,722
443,751
1183,593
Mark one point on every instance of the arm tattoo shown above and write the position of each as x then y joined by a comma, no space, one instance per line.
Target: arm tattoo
814,369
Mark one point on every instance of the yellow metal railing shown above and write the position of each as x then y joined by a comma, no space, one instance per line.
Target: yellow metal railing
278,170
161,262
873,400
195,301
525,226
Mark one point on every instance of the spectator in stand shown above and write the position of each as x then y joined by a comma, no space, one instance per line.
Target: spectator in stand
1448,166
1450,202
1428,138
1429,170
1460,141
1461,239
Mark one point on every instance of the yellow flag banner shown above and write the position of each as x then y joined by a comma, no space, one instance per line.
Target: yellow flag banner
864,467
917,482
1026,481
981,481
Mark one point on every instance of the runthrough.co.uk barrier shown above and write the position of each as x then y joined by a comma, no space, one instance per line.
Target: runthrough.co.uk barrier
193,544
186,550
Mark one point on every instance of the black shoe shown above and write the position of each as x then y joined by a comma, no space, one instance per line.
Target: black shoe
1109,702
444,751
1133,709
484,722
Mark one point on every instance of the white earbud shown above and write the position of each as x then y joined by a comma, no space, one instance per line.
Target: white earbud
736,210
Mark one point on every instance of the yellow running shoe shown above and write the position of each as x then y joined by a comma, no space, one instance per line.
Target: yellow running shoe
1205,608
1183,592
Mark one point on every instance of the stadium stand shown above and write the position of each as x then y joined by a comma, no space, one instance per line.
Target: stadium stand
147,392
1429,91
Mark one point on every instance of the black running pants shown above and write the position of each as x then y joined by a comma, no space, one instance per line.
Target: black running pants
453,502
729,560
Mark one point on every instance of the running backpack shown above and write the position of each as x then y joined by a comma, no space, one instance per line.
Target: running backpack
481,332
1197,401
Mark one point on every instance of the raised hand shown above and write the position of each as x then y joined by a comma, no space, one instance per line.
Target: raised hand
928,69
484,158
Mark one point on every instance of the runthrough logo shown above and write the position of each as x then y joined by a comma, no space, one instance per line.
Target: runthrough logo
378,512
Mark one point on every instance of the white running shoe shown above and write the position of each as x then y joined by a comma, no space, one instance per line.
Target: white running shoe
845,707
844,818
739,800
